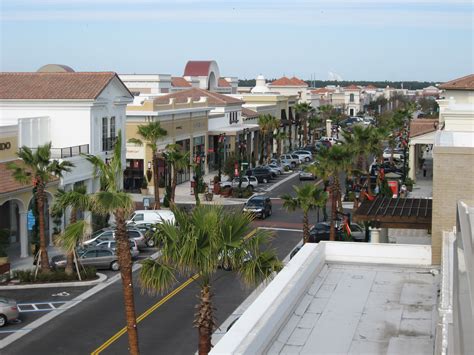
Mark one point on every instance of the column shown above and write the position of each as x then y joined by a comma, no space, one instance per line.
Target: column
328,128
24,245
374,235
412,158
206,152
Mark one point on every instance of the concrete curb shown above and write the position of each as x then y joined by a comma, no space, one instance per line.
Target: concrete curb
70,304
102,278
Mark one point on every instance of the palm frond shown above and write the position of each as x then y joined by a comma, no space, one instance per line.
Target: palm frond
156,277
73,234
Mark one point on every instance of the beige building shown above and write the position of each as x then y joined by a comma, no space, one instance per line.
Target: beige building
453,157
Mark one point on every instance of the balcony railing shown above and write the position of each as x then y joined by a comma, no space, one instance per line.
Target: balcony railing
68,152
108,143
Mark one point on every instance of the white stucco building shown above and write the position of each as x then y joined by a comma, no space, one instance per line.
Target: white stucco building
77,112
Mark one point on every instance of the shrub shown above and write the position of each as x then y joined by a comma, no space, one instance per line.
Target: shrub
28,276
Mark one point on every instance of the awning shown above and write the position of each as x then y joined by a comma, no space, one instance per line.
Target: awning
384,212
234,129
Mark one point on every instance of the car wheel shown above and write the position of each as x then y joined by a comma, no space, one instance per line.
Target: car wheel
307,159
270,212
250,187
3,320
150,243
264,180
114,266
264,215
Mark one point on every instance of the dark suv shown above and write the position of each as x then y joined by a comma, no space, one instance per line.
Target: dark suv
259,205
263,175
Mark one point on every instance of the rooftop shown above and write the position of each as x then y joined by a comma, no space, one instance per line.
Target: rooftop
54,85
196,93
463,83
197,67
341,297
421,126
284,81
177,81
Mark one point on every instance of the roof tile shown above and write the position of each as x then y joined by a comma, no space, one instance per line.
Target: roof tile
463,83
196,93
180,82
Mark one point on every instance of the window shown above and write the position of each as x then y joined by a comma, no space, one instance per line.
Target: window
89,254
133,234
106,236
233,117
112,127
138,217
102,253
351,98
105,129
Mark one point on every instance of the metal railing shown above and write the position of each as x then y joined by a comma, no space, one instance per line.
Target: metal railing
68,152
108,143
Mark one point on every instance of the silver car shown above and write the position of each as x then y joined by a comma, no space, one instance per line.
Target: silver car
112,244
100,258
8,311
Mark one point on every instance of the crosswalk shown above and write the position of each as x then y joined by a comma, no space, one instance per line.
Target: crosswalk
39,306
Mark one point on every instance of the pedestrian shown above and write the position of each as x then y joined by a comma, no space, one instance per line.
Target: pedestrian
403,191
424,169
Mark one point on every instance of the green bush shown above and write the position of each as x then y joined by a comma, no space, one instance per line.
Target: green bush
28,276
241,193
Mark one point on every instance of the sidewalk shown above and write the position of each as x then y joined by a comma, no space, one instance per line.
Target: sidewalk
423,187
17,263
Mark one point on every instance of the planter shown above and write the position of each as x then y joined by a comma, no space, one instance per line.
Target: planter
208,196
144,191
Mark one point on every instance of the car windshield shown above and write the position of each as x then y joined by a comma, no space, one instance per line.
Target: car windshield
257,203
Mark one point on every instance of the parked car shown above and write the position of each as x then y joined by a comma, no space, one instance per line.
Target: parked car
292,160
147,229
281,163
275,172
247,182
263,175
8,311
112,244
321,231
280,169
306,175
108,234
100,258
397,153
311,148
304,155
259,205
331,140
151,216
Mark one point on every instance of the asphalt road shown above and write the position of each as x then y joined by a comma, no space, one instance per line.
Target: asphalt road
168,329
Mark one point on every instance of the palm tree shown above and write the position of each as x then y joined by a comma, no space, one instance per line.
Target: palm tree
273,124
304,109
313,124
78,200
178,160
38,168
332,163
201,242
263,122
113,200
280,137
150,134
308,197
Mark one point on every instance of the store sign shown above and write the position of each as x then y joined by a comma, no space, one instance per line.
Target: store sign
394,187
5,145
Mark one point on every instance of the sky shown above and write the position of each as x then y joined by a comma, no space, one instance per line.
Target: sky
421,40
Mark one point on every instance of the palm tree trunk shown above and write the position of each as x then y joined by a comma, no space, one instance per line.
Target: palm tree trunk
125,262
262,147
70,255
173,184
289,136
305,129
42,238
269,147
278,147
156,181
205,320
305,227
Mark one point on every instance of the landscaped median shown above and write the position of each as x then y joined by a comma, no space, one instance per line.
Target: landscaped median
26,279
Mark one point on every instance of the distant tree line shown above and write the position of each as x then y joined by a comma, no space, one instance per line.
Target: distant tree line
411,85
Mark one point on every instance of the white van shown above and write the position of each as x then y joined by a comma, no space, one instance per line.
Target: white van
151,216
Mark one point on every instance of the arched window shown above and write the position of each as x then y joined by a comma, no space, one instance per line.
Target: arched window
351,98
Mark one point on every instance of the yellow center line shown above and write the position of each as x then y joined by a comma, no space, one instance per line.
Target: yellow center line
153,308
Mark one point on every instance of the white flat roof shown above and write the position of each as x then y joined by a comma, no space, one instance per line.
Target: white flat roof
454,139
340,297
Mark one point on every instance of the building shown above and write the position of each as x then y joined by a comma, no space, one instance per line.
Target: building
352,100
453,156
77,112
290,87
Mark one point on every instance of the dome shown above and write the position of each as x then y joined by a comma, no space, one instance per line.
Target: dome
260,86
55,68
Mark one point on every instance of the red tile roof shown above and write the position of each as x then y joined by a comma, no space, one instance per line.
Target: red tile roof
223,83
321,91
8,183
422,126
54,86
352,88
197,68
196,93
177,81
370,87
249,113
284,81
464,83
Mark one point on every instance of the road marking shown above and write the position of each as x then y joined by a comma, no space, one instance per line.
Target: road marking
145,314
282,229
39,306
153,308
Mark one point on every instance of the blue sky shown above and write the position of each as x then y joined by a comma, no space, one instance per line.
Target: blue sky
350,39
